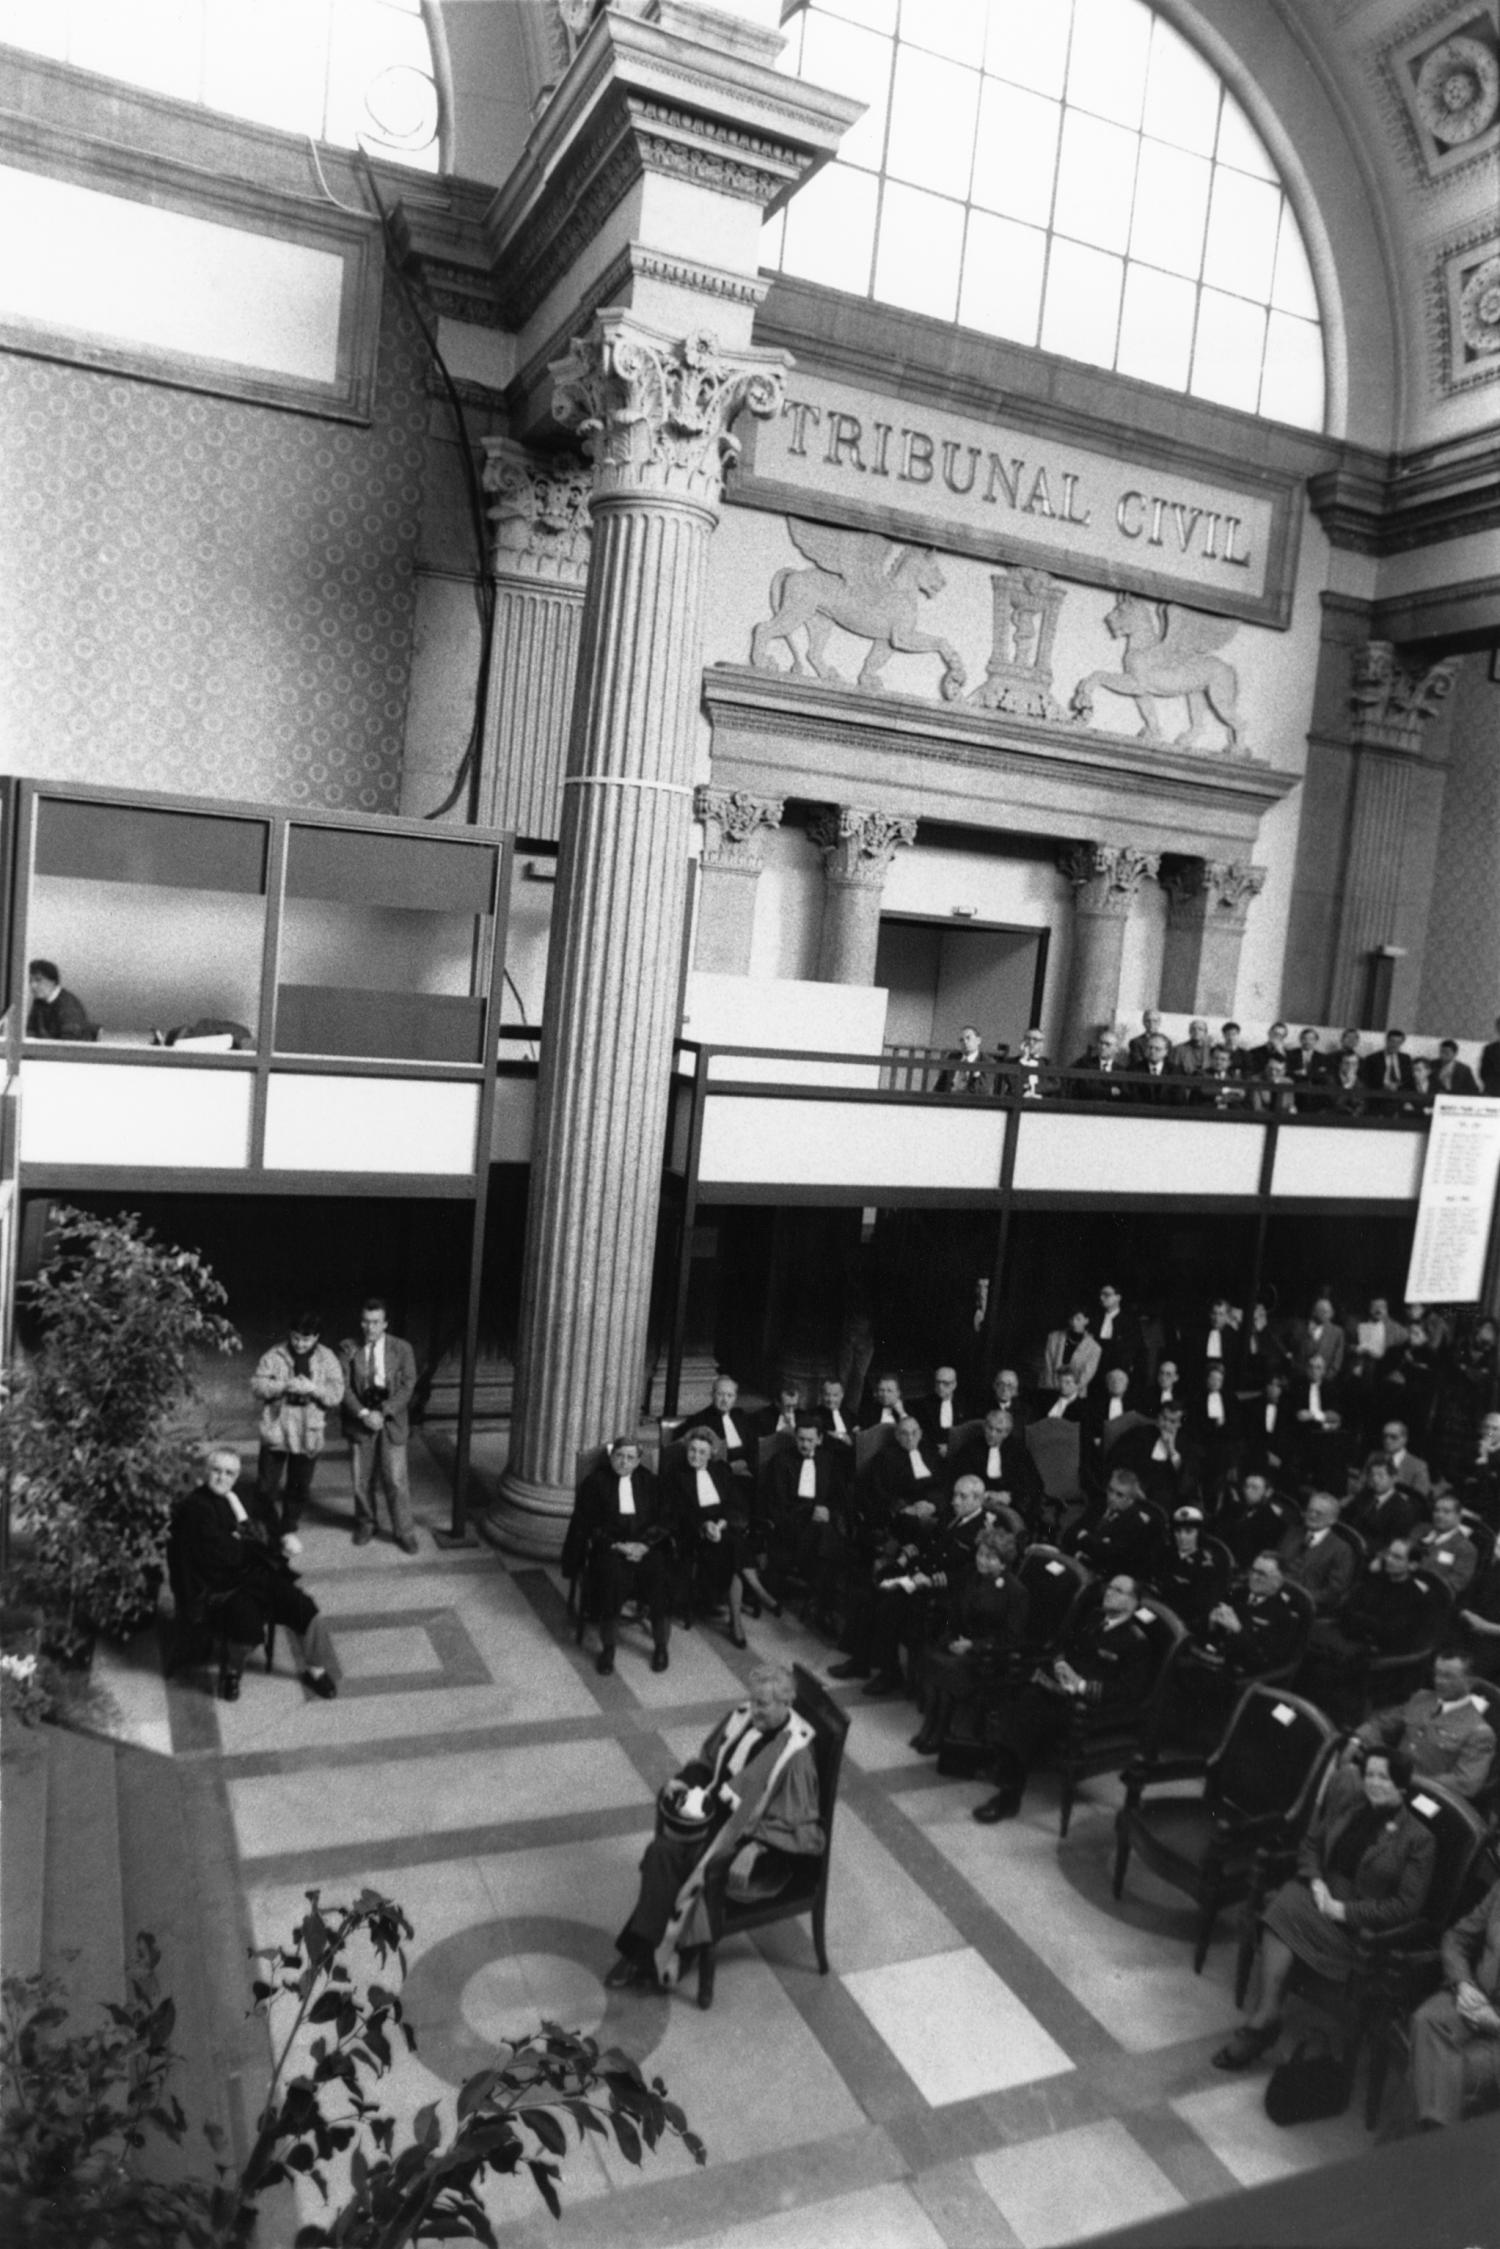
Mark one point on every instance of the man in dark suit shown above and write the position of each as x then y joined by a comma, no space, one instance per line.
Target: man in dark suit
1160,1456
1108,1403
1406,1469
1268,1432
1381,1509
998,1456
1104,1666
1389,1070
619,1540
799,1504
1156,1089
1096,1076
730,1423
380,1374
1275,1045
781,1416
1138,1053
1250,1633
965,1071
1120,1336
886,1406
1320,1336
941,1414
1452,1075
1308,1067
228,1562
838,1427
1124,1536
1253,1520
1316,1558
1489,1065
55,1012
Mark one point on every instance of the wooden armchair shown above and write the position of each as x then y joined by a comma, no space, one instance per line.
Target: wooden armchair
1259,1786
807,1893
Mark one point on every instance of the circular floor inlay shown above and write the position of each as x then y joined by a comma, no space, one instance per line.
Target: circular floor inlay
508,1997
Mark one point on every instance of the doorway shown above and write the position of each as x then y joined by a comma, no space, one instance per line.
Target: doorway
943,974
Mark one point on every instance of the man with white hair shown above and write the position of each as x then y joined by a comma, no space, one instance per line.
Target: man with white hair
735,1822
229,1565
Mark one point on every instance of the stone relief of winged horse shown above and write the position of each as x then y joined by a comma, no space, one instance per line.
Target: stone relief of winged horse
867,584
1168,652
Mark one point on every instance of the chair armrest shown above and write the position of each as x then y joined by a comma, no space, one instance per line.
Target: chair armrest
1143,1772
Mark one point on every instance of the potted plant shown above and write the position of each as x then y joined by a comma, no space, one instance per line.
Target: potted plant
93,1425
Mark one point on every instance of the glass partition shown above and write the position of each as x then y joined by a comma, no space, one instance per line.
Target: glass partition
369,966
155,920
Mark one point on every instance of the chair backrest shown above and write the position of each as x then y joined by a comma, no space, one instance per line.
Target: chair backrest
961,1434
1115,1430
1165,1633
1271,1758
1053,1583
869,1442
780,1440
1460,1834
1054,1446
1353,1540
1481,1533
1218,1553
1437,1596
830,1723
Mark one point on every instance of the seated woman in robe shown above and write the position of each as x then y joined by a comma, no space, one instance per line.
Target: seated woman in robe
746,1809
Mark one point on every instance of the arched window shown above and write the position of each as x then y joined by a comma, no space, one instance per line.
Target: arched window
343,71
1068,173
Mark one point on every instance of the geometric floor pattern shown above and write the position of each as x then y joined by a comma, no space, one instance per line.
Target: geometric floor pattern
1002,2054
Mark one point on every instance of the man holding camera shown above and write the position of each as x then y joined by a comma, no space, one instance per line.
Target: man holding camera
380,1374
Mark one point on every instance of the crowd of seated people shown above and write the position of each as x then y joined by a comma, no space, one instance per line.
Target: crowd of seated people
1313,1500
1279,1076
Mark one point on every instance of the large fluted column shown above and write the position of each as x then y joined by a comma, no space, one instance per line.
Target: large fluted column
654,417
1208,905
734,824
540,510
858,844
1106,879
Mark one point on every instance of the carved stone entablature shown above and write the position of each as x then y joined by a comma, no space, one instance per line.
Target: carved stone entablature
1107,877
1217,890
654,415
734,823
1019,674
540,512
1168,657
858,842
870,586
1391,701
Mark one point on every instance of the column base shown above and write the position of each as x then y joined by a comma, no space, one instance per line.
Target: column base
528,1518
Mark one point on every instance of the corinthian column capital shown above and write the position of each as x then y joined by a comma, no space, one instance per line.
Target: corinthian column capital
1219,890
1391,700
858,842
1107,877
653,414
733,824
540,510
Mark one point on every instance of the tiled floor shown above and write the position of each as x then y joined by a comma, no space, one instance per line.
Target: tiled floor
1002,2055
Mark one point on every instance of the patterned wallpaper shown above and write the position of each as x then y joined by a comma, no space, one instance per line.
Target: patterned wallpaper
1461,967
204,596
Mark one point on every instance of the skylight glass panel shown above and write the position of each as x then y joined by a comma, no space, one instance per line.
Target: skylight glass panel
875,15
1081,310
1107,60
1015,155
920,250
1291,388
858,62
933,108
1028,44
1004,266
955,28
830,229
1243,219
1292,290
1228,349
1156,327
1182,93
1171,208
1095,180
1239,142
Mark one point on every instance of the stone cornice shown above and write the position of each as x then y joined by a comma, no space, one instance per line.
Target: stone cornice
954,763
1380,504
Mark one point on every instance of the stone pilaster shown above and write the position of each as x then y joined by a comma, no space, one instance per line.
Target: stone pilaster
1208,905
858,843
734,826
1391,703
654,417
540,510
1106,880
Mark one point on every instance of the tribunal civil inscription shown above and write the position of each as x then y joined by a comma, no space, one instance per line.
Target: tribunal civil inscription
1143,520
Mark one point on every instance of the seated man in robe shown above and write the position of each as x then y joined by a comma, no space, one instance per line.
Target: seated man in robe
746,1808
230,1566
619,1539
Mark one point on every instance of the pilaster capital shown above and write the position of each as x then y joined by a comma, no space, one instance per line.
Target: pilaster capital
1107,877
1391,700
540,510
654,414
858,842
1217,890
733,825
